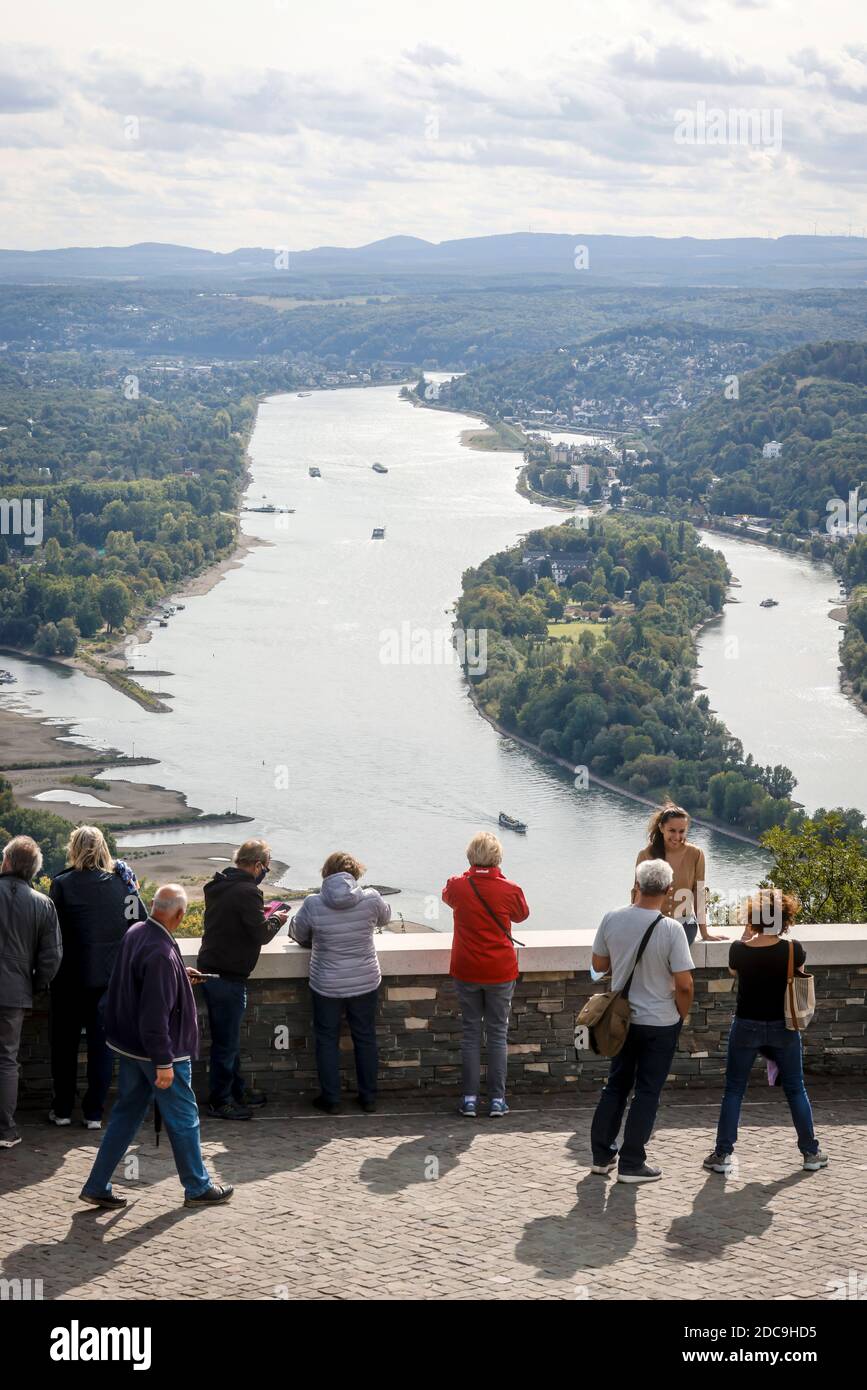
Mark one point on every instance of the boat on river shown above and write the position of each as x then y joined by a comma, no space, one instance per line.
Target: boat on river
378,533
315,472
380,468
769,603
6,678
510,823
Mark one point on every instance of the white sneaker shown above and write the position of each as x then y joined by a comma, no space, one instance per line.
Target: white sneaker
58,1119
603,1169
813,1162
91,1124
10,1143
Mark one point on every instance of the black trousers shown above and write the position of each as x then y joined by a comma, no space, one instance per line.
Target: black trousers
74,1007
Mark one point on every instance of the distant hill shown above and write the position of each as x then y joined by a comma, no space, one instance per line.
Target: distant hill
811,402
782,262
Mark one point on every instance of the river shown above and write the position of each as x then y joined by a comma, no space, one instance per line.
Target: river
314,682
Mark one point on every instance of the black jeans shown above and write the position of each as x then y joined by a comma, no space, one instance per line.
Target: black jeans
227,1003
361,1016
644,1062
74,1007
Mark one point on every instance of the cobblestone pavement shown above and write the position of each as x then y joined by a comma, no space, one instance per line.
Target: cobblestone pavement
417,1203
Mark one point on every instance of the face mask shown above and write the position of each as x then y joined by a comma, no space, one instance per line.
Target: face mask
262,874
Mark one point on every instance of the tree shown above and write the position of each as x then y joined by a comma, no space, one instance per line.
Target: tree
46,643
824,865
67,637
114,603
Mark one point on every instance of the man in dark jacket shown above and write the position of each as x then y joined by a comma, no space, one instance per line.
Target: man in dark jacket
235,930
30,953
151,1023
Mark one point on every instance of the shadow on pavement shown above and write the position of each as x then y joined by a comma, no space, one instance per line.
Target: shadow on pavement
418,1160
599,1230
723,1216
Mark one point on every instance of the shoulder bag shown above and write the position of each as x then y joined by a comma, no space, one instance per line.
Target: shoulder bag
607,1016
800,996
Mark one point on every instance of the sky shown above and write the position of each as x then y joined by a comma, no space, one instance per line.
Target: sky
285,124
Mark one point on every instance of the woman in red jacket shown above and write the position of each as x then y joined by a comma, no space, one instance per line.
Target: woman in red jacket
484,966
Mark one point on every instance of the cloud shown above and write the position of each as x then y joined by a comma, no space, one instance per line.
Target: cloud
679,62
422,143
22,92
427,55
845,76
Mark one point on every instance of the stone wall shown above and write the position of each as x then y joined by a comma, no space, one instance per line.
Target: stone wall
419,1021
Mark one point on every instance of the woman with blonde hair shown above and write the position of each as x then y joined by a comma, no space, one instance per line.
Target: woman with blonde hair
760,964
484,966
338,923
96,897
686,900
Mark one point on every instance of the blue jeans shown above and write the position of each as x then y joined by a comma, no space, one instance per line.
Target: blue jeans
644,1062
783,1046
135,1091
226,1001
361,1016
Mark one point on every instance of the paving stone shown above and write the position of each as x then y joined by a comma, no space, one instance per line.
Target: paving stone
346,1207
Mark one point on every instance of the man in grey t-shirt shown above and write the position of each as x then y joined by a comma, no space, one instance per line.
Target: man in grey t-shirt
660,997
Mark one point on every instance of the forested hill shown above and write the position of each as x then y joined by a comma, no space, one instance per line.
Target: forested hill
417,321
812,402
616,376
137,484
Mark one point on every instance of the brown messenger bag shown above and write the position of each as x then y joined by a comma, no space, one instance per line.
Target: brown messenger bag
607,1016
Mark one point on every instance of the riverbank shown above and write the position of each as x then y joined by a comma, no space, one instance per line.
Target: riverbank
601,781
36,758
522,485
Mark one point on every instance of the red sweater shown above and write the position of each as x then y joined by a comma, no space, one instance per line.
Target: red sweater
481,953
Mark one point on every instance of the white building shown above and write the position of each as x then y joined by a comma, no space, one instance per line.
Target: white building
580,476
772,450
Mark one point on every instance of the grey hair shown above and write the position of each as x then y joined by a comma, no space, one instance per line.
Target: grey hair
168,898
654,877
22,856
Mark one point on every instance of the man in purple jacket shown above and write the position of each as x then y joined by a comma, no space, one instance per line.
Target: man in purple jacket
150,1022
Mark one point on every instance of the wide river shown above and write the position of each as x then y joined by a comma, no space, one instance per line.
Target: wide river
314,684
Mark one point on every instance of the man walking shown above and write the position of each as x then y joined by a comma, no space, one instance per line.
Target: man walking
660,997
235,930
150,1021
30,954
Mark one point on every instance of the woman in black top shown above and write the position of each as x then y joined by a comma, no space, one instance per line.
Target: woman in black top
97,900
760,963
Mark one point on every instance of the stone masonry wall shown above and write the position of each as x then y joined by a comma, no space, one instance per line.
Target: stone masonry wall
419,1034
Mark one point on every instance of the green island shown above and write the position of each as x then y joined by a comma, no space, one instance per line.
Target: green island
616,696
